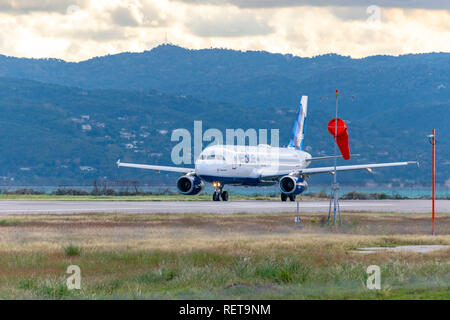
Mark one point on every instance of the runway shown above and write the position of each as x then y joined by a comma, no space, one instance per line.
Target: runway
230,207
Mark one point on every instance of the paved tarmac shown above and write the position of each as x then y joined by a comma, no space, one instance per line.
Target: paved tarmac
74,207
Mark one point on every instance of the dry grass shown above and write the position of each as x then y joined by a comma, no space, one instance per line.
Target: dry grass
234,256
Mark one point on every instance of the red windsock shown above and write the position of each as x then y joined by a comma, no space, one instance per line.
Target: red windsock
342,136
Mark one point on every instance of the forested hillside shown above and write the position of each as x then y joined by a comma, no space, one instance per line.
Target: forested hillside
69,122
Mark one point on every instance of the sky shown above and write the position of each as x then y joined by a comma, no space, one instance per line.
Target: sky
76,30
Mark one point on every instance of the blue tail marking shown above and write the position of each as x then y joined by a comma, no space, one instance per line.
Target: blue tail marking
298,131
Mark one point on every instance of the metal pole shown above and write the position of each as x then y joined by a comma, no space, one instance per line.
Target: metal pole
339,210
434,172
335,160
297,217
329,207
334,198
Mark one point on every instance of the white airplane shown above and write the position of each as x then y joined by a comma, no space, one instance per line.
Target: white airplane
260,165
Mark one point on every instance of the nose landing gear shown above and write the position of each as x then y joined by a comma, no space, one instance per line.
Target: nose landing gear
218,193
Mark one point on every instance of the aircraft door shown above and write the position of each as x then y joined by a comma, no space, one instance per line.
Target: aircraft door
235,161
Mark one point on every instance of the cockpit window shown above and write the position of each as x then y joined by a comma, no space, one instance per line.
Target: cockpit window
212,155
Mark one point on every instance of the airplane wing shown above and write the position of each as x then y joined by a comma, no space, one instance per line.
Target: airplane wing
155,168
368,167
308,171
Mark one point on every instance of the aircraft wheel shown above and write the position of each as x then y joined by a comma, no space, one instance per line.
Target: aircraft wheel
225,196
292,197
216,196
283,197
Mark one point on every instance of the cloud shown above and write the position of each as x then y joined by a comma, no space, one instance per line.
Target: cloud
144,12
228,24
126,16
417,4
27,6
152,14
107,27
351,13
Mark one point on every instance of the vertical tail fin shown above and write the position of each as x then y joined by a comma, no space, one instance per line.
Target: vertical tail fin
299,126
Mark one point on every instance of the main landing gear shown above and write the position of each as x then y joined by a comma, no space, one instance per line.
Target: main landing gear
284,197
218,193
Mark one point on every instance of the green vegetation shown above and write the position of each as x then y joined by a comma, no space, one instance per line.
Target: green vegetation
220,257
10,222
370,196
197,273
72,251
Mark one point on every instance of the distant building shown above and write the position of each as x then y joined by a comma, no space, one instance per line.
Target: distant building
126,135
154,154
76,120
87,168
86,127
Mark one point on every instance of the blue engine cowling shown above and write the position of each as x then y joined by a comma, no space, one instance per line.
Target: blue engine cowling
292,185
190,185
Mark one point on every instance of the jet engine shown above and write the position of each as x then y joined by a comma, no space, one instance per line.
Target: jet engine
292,185
190,185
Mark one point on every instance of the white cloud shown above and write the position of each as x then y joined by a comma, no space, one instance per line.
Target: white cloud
416,4
228,22
110,26
27,6
126,16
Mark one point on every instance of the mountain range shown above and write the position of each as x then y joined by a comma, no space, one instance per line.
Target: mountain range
67,123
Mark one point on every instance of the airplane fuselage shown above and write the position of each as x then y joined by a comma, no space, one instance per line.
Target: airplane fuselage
243,165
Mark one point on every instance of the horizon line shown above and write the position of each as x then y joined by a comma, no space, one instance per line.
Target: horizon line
225,49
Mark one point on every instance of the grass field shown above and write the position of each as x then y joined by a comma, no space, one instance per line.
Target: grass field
217,256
